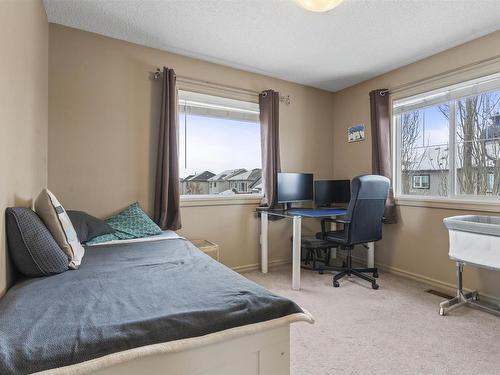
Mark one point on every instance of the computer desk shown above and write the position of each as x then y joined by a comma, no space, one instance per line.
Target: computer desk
296,215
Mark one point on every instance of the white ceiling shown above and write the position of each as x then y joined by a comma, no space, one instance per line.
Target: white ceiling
358,40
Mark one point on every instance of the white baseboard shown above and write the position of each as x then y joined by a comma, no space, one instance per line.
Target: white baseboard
442,286
439,285
256,266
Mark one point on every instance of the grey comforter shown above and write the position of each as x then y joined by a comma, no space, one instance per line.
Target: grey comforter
125,296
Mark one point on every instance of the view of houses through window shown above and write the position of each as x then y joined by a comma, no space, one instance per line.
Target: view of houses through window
424,152
449,142
219,145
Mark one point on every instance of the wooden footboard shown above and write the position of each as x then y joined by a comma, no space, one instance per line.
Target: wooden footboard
254,349
262,353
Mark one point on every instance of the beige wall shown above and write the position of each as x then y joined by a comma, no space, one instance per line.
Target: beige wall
418,244
23,109
102,126
103,116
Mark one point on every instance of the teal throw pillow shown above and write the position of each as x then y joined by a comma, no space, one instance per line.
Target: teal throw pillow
132,222
101,239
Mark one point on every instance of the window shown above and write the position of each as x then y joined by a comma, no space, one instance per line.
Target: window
448,141
219,145
421,181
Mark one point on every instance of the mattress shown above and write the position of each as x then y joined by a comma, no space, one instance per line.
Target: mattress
126,296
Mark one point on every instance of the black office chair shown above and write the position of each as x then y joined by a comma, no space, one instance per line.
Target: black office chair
362,223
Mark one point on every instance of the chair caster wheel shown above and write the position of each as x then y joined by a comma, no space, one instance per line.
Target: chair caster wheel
321,272
375,286
336,284
375,275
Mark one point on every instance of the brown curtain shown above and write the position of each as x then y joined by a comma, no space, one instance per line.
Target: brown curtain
381,146
166,204
269,122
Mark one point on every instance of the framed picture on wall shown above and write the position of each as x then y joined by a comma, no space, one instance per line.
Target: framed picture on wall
356,133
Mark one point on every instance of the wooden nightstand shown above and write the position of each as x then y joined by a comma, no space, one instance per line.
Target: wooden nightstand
207,247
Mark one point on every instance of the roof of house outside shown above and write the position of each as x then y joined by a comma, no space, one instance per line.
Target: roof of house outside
432,158
252,175
257,184
257,187
201,177
435,159
186,178
223,176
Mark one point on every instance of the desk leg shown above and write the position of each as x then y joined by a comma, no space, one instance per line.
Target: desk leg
263,241
370,258
297,223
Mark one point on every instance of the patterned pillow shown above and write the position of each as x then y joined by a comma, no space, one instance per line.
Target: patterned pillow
101,239
31,246
132,222
56,219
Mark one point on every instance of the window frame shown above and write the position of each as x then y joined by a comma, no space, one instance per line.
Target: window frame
491,82
199,200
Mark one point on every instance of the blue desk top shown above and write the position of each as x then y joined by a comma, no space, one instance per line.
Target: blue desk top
317,212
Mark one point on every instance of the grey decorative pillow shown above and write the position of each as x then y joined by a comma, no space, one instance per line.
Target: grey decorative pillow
31,246
87,226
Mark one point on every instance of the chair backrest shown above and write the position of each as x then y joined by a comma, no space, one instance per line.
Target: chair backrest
366,208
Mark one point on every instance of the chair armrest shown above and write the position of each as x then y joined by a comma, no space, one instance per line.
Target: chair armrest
344,221
339,220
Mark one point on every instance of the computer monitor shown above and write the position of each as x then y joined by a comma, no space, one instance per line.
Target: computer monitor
295,187
329,192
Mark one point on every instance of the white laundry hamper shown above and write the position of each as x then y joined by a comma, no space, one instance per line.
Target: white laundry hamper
474,240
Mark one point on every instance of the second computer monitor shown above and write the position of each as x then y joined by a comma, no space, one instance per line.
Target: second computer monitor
329,192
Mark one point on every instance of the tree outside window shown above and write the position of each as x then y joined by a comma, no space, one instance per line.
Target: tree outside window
450,147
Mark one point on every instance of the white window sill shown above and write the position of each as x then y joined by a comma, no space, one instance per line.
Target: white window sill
214,200
463,204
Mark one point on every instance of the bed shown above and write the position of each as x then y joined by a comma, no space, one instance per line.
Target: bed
142,306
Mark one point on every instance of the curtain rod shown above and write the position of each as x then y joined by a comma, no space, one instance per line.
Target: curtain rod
447,73
157,74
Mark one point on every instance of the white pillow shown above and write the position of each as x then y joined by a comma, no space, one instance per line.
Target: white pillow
57,220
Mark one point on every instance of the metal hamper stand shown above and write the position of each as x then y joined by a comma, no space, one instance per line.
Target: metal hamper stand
461,298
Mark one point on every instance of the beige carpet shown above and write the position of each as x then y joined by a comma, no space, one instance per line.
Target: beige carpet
394,330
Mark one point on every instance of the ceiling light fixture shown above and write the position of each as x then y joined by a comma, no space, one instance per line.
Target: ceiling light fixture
318,5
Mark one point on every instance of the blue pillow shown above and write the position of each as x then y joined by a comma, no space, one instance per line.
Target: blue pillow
132,222
88,226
